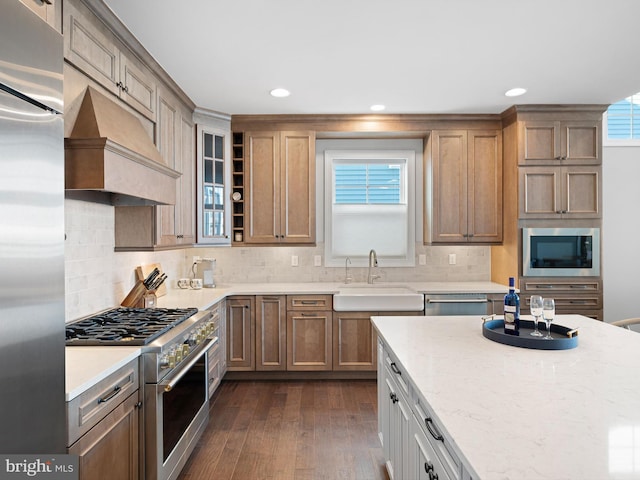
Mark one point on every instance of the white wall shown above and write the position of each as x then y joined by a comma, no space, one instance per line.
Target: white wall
621,232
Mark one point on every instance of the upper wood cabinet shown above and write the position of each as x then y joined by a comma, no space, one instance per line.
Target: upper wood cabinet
165,226
464,187
92,48
176,142
279,187
49,10
560,192
567,141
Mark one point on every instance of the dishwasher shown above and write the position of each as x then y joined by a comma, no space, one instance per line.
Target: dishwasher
455,304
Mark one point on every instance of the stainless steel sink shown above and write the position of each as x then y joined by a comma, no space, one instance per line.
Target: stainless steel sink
364,297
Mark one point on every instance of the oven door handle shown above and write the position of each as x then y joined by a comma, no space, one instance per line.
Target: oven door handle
168,385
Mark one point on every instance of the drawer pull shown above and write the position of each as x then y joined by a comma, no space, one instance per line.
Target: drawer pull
395,369
579,286
393,397
304,314
309,302
428,466
108,397
432,429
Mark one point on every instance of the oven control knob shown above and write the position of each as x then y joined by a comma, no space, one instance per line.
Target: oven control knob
178,354
171,356
164,361
185,350
193,339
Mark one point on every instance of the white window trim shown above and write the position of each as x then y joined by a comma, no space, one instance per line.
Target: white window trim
409,156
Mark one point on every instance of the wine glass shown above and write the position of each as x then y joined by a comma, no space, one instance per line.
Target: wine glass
548,312
536,311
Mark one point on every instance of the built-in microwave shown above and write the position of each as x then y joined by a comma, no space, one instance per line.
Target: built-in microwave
560,252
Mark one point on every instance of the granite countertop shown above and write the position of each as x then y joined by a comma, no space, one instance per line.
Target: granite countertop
516,413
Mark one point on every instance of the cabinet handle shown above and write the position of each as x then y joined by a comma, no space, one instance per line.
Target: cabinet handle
432,429
309,302
119,85
108,397
428,466
433,476
303,314
126,89
393,397
395,368
544,286
138,405
579,286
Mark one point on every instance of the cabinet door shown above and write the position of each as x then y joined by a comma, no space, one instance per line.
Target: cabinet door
354,341
241,333
114,437
297,183
449,152
271,332
581,142
424,463
175,141
560,192
262,190
90,46
540,142
138,87
399,431
484,186
309,340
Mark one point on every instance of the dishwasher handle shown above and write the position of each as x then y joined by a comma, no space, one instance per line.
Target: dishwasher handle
456,300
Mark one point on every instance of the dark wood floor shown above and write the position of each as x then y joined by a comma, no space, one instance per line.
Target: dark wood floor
325,429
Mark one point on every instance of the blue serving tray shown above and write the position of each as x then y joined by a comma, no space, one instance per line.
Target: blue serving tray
494,330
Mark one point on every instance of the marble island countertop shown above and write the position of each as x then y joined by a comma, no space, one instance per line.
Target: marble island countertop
520,414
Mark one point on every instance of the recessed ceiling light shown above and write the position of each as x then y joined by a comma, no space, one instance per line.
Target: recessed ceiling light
280,92
515,92
377,108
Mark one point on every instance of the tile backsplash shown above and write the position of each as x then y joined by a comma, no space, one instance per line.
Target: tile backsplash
96,277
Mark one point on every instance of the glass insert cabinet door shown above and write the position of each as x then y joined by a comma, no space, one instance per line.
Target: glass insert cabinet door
213,186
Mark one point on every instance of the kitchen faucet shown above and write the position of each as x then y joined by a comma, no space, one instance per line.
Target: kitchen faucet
347,277
373,262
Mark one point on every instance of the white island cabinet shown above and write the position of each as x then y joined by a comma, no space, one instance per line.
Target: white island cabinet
456,405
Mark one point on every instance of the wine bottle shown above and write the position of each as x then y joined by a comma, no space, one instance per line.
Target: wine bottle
512,310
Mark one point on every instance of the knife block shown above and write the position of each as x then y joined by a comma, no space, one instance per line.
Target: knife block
136,297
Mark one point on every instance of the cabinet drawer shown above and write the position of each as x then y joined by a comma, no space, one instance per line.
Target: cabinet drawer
395,371
91,406
309,302
440,445
543,286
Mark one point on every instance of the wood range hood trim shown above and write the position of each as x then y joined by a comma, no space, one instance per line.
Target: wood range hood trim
109,151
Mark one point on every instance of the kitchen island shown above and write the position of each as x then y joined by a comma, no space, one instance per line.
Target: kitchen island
516,413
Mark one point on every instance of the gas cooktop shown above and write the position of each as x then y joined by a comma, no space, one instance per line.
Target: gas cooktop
125,326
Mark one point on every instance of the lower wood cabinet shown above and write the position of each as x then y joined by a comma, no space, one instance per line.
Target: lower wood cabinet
572,295
241,333
309,339
271,332
110,449
354,341
103,427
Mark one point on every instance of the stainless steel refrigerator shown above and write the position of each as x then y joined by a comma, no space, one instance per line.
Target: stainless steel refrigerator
32,393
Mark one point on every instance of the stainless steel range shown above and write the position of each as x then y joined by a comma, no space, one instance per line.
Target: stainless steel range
174,378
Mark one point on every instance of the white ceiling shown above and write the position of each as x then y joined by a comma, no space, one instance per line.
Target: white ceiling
414,56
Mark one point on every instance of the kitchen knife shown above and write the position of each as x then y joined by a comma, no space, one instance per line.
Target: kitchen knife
158,281
147,282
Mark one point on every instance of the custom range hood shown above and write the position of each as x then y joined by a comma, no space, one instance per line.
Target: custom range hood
109,151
